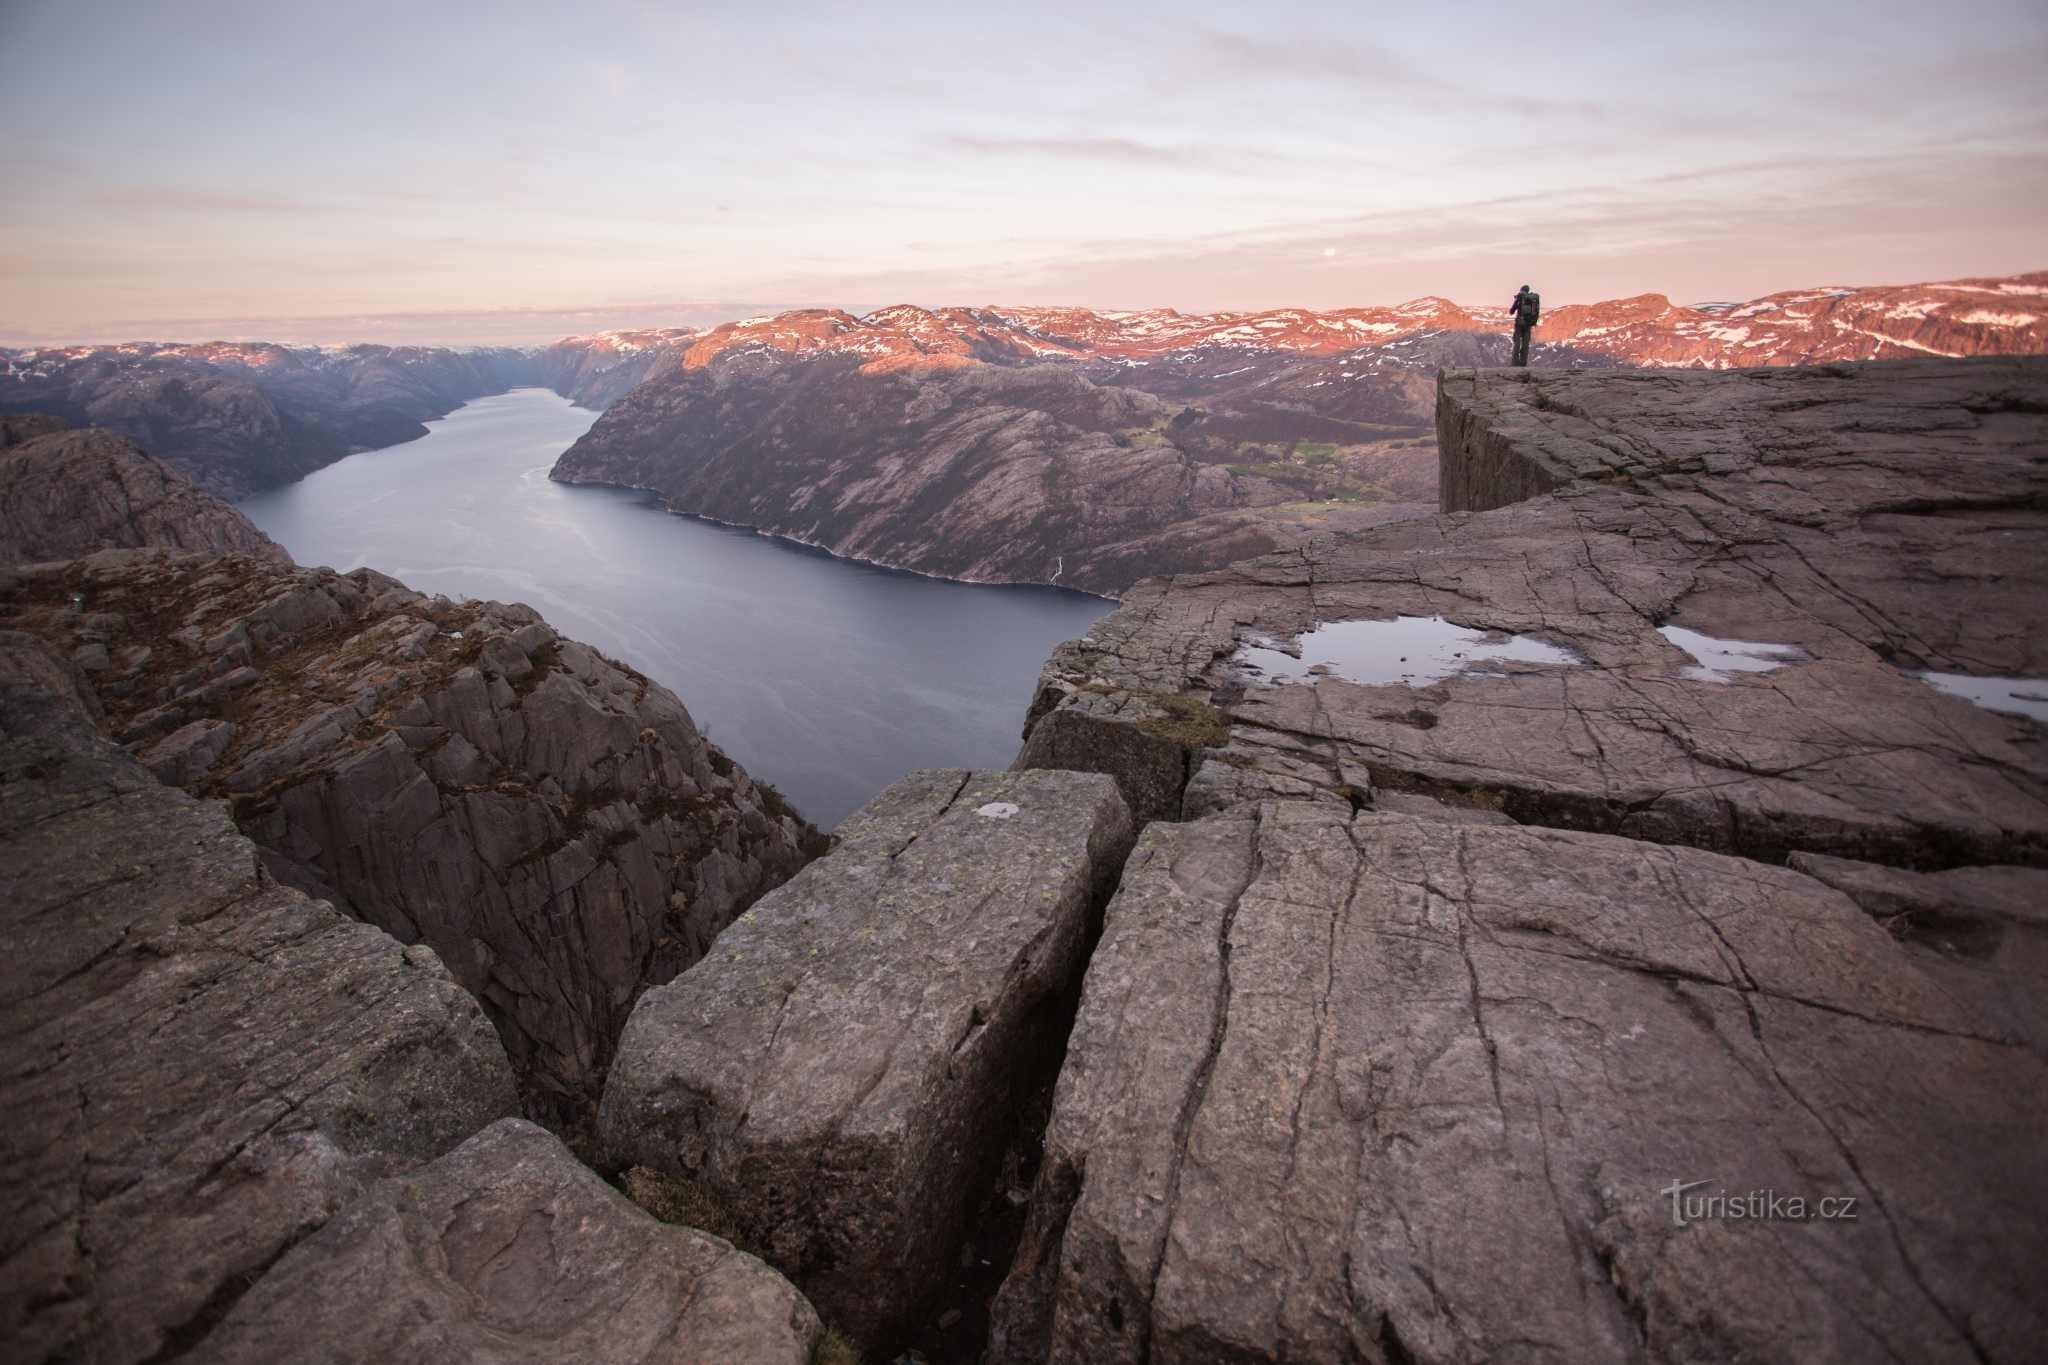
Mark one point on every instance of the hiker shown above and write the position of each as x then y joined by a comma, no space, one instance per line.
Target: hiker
1525,308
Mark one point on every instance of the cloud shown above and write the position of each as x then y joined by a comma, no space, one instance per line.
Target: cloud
1121,150
179,199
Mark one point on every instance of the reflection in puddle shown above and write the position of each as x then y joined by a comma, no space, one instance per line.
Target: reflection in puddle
1714,660
1415,650
2014,696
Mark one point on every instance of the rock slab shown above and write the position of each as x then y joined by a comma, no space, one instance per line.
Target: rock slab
551,822
510,1250
841,1070
1868,522
1387,1088
201,1065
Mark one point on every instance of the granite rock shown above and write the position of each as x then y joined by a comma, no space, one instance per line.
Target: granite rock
1387,1088
842,1071
509,1250
202,1065
67,493
548,820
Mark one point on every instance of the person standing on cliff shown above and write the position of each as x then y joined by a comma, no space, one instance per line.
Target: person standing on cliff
1525,308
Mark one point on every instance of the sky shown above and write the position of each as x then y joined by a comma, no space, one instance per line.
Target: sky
511,172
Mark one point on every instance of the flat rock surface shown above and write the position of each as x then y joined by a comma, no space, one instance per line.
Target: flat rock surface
1876,519
840,1072
201,1065
548,820
1384,1087
510,1250
67,493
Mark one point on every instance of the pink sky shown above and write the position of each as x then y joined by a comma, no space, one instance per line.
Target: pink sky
439,174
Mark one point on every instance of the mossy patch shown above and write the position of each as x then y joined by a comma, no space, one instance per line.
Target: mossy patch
1188,720
834,1349
673,1199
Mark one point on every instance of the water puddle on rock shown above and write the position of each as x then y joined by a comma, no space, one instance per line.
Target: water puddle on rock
2012,696
1718,660
1416,650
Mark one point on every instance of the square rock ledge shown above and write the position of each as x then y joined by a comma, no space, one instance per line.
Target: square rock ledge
510,1250
1384,1088
841,1070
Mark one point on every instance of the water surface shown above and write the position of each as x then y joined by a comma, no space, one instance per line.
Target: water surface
1416,650
827,677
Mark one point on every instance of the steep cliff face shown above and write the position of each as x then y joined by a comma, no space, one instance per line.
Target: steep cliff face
969,442
1472,833
598,370
990,473
202,1064
242,417
548,820
66,493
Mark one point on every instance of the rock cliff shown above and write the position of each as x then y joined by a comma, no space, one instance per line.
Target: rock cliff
202,1064
548,820
66,493
598,370
1093,449
1568,887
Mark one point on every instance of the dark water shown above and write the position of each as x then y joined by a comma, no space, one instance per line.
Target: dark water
829,678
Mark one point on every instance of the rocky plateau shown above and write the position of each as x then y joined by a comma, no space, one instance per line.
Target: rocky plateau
1600,920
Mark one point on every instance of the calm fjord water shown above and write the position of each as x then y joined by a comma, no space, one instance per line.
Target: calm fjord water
827,677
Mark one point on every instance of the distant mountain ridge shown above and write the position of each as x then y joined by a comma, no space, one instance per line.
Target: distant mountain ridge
1094,449
244,416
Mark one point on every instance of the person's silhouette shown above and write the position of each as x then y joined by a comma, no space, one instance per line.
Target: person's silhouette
1526,308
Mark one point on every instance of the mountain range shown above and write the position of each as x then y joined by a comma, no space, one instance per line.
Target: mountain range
1084,447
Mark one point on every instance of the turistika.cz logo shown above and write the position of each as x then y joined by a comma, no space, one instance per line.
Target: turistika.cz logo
1688,1208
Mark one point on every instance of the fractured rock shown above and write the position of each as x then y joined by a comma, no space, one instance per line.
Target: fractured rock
510,1250
841,1071
1380,1087
202,1065
67,493
1871,520
549,821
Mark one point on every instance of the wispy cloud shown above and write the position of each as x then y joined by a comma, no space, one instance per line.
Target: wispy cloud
154,199
1122,150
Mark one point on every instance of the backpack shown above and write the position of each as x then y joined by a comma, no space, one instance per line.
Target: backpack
1531,306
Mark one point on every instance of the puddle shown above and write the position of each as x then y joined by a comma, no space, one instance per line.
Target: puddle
1714,660
1416,650
2013,696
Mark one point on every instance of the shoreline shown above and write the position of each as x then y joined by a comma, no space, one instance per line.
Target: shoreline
661,500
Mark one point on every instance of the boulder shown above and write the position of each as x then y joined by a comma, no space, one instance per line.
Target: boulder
549,821
202,1065
842,1071
67,493
510,1250
1384,1087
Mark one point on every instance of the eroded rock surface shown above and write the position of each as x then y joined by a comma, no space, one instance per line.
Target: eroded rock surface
67,493
510,1250
842,1070
201,1065
548,820
1383,1087
1402,1046
1877,519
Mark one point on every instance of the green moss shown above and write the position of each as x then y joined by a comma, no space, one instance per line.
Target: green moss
673,1199
834,1349
1188,720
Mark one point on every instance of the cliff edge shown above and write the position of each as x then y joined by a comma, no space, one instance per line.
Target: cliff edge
1600,922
